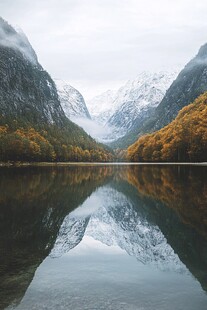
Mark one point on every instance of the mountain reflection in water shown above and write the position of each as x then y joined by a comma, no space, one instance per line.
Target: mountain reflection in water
157,214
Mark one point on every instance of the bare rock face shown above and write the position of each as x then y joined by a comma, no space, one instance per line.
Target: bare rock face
26,89
71,100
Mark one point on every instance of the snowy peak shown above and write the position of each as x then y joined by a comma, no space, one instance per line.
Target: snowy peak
101,107
145,86
71,100
138,96
118,109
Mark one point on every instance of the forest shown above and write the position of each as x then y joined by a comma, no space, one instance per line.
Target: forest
23,142
183,140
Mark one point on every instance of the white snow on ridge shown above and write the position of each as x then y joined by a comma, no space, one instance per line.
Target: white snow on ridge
101,107
71,100
118,110
113,113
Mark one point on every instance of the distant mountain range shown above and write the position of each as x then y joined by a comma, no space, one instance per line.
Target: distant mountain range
137,99
101,107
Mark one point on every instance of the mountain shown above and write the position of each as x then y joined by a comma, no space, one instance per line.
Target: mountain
101,107
190,83
183,140
26,90
71,100
33,125
137,99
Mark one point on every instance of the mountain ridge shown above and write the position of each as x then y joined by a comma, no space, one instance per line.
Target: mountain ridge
71,100
190,83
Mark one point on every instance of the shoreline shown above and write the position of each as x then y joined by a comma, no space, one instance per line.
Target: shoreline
62,164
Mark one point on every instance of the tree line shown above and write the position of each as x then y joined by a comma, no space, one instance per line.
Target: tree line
21,142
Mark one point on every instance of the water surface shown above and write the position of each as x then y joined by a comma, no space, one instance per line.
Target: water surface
103,237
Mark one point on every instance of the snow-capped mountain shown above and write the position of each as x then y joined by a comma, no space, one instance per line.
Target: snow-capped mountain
138,98
71,100
101,107
115,222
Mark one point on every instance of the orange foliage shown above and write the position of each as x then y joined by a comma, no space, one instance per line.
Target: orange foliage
30,145
184,139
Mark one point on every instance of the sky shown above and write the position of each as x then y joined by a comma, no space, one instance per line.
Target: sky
98,45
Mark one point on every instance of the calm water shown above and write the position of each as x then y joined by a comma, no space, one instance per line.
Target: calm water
103,237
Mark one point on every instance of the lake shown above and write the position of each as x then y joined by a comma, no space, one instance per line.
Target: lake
103,237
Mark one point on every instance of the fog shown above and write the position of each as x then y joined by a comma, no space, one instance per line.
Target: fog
16,40
97,45
94,129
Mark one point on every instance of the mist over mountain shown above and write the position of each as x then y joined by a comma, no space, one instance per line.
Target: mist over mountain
26,89
101,107
75,109
137,99
33,123
16,39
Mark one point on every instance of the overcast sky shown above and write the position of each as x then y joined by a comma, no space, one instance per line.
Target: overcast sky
98,44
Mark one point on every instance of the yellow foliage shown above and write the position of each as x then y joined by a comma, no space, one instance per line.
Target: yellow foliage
184,139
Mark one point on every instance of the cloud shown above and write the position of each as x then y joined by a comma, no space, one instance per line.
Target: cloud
95,130
96,44
16,40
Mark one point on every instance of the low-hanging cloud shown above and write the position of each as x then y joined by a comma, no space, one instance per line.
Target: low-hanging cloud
95,130
17,40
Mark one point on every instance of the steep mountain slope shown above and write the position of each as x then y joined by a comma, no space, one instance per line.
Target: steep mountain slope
184,139
137,99
26,90
190,83
29,98
146,91
71,100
